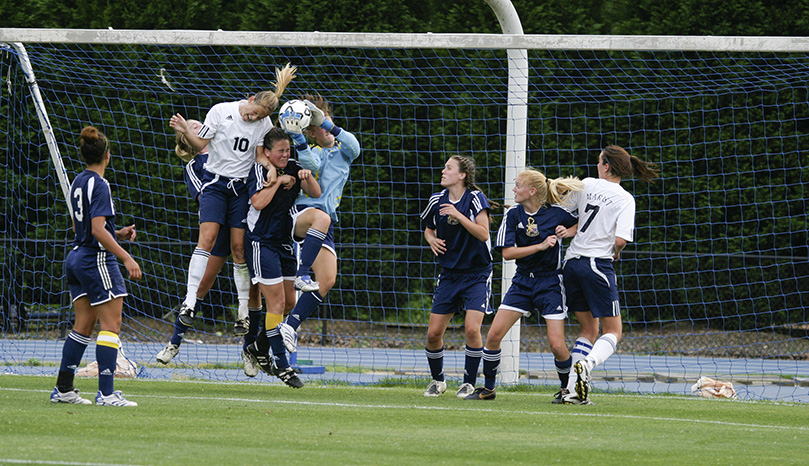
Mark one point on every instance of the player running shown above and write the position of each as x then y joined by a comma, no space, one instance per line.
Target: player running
528,236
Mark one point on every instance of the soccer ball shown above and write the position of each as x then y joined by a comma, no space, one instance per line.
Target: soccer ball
295,116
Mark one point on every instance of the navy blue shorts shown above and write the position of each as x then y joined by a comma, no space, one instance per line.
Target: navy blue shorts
95,274
270,264
455,292
590,285
544,292
224,201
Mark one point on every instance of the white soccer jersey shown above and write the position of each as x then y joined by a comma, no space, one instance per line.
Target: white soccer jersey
606,211
233,141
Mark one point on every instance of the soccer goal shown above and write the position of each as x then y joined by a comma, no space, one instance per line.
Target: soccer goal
716,283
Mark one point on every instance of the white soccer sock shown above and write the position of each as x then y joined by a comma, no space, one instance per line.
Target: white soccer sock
602,349
196,270
581,348
242,279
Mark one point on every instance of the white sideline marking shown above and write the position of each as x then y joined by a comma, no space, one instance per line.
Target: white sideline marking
73,463
448,408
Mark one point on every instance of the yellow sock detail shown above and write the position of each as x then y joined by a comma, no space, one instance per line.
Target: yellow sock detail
272,320
106,338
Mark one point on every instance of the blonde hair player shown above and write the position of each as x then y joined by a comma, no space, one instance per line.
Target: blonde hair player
528,236
193,174
234,133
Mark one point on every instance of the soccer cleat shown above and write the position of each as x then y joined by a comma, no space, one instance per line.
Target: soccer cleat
559,396
288,376
582,369
167,354
436,388
481,393
241,327
465,390
250,364
115,398
571,399
186,316
263,360
72,397
289,335
305,283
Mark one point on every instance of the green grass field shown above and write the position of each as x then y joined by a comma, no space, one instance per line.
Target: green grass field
203,423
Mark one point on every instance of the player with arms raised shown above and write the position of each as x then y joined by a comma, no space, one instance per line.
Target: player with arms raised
233,132
329,159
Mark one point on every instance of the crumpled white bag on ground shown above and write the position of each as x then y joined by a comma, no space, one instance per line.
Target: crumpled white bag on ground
710,388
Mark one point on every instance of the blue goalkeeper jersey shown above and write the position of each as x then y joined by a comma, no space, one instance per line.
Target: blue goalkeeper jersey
331,168
464,253
90,197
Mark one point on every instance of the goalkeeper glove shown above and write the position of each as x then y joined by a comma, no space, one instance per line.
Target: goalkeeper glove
319,119
299,139
317,114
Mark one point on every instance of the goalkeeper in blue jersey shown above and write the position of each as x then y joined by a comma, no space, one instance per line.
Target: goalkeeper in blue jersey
274,186
528,236
329,159
94,278
606,225
194,174
457,230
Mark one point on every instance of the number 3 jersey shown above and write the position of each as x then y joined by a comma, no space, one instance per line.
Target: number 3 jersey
90,197
606,211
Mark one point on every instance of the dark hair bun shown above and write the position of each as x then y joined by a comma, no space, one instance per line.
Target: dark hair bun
89,135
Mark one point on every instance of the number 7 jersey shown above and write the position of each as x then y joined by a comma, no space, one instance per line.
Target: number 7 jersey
606,211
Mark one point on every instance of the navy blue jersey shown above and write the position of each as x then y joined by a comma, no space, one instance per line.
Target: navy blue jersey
90,197
519,229
194,173
464,251
273,223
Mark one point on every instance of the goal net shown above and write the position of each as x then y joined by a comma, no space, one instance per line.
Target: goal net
716,282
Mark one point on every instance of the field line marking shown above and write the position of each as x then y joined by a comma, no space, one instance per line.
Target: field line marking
448,408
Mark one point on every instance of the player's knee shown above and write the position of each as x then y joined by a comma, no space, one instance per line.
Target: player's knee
321,221
472,332
237,254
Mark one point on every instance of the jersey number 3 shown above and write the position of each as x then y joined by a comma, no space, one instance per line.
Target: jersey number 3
77,194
